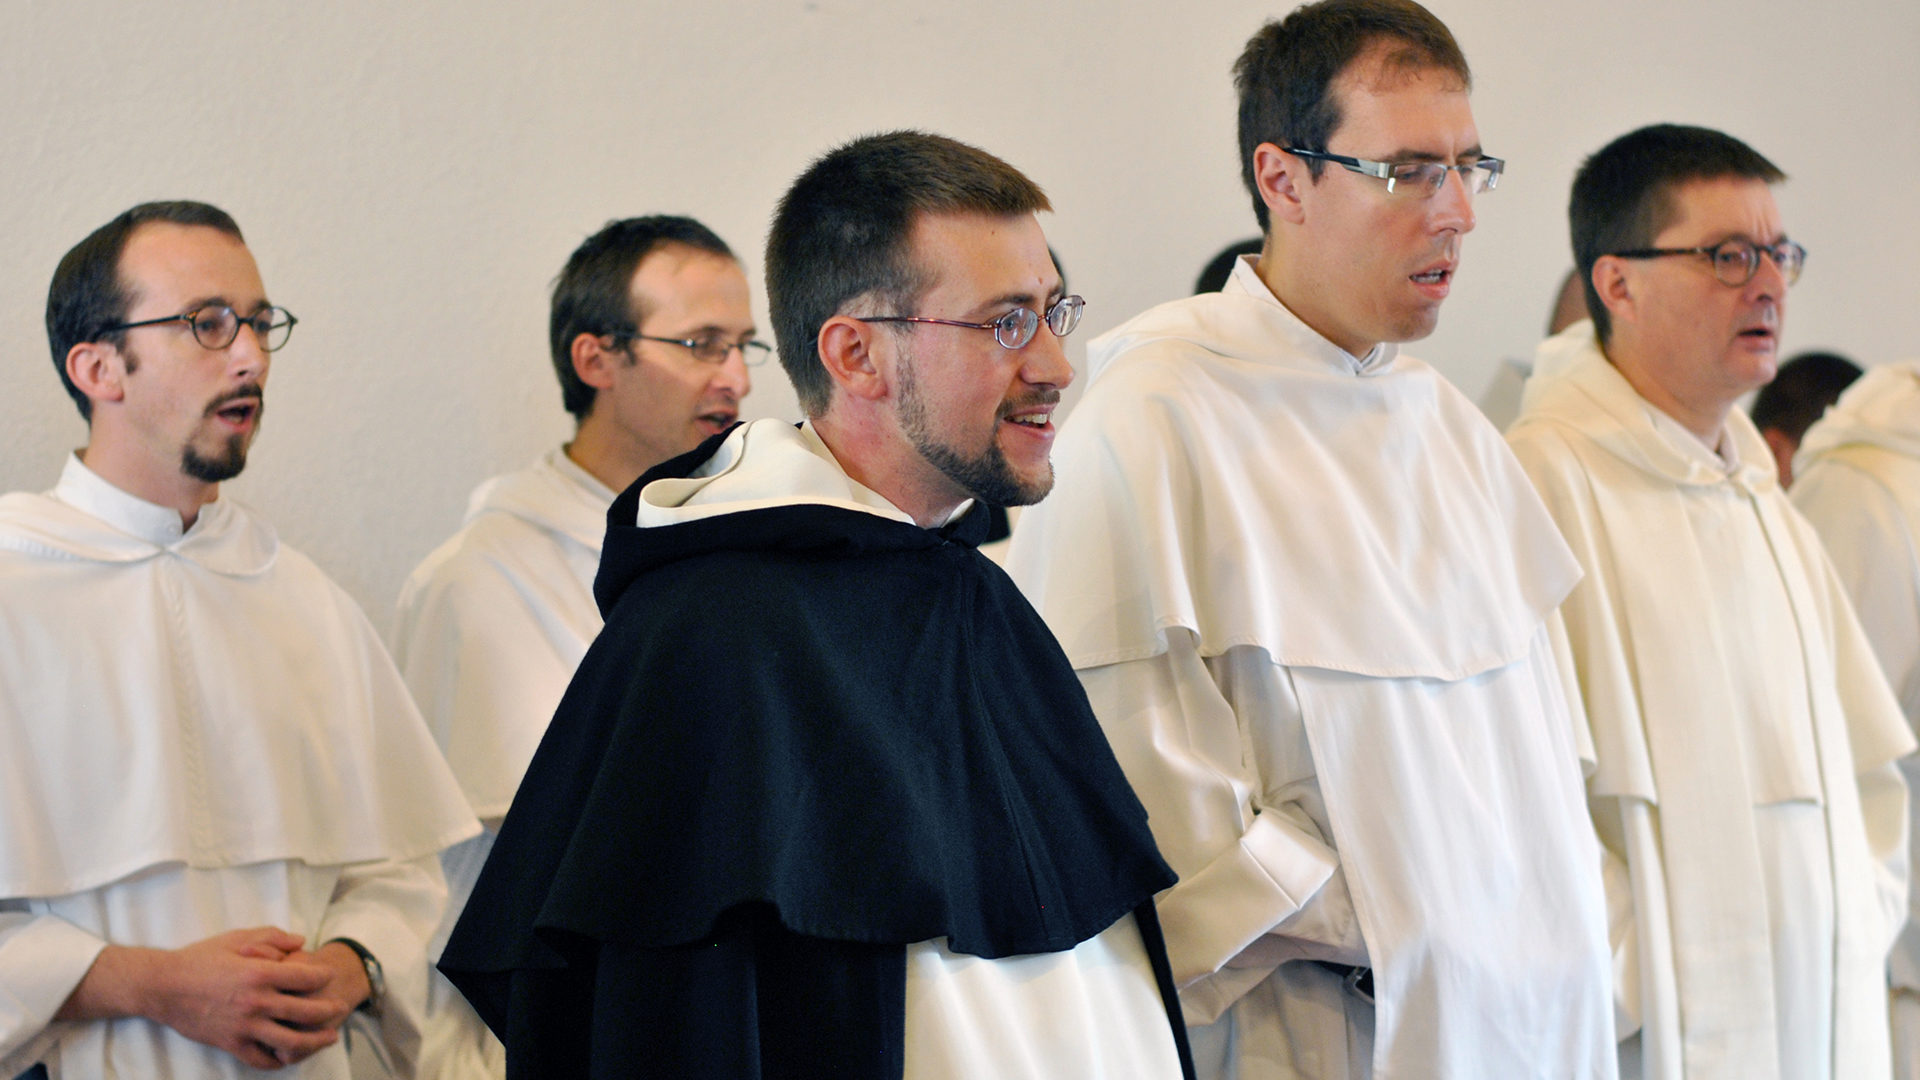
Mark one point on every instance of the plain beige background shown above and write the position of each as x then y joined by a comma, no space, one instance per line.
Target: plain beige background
412,175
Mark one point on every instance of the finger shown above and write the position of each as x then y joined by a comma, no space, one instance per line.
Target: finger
306,1012
255,1055
273,937
285,1045
261,951
297,975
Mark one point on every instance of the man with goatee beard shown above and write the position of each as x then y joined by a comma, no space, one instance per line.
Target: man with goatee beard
220,810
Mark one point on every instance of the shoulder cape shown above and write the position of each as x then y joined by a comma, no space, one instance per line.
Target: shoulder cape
847,732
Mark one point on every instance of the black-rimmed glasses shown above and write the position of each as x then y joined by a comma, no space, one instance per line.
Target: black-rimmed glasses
1420,179
1014,329
714,350
1735,261
216,327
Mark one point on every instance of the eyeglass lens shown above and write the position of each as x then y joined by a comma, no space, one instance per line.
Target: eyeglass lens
1426,178
1736,261
217,327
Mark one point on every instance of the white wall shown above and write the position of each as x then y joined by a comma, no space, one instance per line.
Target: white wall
410,177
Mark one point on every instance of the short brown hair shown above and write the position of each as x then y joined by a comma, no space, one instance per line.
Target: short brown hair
841,233
1623,195
1286,72
87,294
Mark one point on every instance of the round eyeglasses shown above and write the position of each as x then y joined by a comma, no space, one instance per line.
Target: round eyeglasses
713,350
216,326
1014,329
1418,179
1735,261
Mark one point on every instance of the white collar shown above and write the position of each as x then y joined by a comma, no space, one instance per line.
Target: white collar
87,491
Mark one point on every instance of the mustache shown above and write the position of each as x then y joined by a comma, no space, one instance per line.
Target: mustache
1042,397
244,390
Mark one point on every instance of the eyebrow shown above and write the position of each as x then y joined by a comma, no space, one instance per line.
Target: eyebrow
1404,155
1747,238
1020,299
717,330
221,301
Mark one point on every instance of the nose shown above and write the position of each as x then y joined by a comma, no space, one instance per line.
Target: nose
1769,282
731,374
248,356
1043,362
1452,206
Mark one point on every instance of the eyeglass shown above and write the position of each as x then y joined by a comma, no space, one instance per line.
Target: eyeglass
1420,179
1736,261
714,350
216,327
1017,327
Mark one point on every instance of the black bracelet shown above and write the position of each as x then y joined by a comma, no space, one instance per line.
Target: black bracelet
376,975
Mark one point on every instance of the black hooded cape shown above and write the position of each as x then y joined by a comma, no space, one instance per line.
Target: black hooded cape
807,737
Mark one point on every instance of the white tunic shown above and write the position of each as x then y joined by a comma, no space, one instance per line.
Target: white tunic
1310,597
199,732
1095,1006
1857,478
491,626
1754,821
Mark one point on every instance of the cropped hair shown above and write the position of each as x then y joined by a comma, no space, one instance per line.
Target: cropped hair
1623,195
88,294
1802,391
1285,75
843,233
594,292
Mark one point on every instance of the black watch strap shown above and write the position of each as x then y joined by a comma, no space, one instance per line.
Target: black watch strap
376,975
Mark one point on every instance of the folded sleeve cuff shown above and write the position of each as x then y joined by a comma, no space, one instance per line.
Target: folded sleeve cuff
1243,893
42,959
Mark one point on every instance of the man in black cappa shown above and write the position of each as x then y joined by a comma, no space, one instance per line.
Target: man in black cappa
825,797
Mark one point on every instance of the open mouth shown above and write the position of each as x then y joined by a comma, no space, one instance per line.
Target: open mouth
1439,276
1037,419
717,421
239,413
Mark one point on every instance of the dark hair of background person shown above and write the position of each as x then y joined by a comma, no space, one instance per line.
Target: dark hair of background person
1623,195
594,292
842,233
1569,304
1214,277
1285,76
88,295
1804,388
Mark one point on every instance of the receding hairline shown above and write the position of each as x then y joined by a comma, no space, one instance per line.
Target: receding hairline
132,288
1388,62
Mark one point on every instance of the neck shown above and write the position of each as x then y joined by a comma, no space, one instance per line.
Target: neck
1300,291
1704,418
144,478
881,459
609,453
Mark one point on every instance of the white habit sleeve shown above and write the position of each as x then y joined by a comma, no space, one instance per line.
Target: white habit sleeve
392,908
1217,752
42,959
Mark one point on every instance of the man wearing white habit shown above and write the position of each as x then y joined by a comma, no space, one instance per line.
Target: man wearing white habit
1310,595
1747,796
219,811
652,335
1858,481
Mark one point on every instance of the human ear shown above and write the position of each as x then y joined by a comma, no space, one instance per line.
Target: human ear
593,361
1279,177
1615,285
98,370
846,347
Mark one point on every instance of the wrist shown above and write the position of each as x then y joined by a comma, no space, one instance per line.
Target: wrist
372,978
